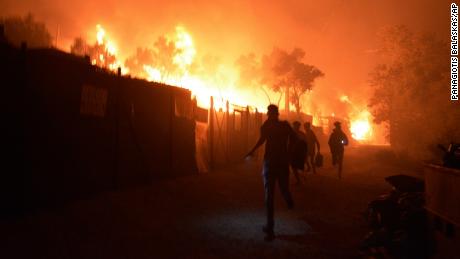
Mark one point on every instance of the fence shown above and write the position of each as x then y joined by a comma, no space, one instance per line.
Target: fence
72,129
227,135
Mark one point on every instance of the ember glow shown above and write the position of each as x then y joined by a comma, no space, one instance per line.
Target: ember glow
360,121
360,126
105,54
344,99
173,60
227,30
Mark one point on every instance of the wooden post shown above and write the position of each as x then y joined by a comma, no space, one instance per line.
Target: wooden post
227,132
255,129
172,114
116,172
211,133
246,137
286,102
194,108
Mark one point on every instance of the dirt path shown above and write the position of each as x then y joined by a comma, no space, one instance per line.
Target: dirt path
214,215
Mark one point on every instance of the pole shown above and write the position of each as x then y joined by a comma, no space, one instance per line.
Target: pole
246,137
172,114
211,133
116,148
227,132
286,103
57,35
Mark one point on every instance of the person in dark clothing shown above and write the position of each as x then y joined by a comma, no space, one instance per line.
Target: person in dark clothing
312,141
277,135
337,141
299,151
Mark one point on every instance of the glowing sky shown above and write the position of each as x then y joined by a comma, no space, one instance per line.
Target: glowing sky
339,36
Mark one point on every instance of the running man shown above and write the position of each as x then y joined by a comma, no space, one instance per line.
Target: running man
312,141
277,135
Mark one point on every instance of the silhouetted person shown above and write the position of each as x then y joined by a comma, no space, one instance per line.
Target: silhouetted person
337,141
277,135
299,151
312,141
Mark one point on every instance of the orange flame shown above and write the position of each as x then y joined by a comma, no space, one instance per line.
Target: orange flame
107,52
222,85
360,122
360,126
221,81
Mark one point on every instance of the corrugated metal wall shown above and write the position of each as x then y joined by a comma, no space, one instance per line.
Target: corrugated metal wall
72,129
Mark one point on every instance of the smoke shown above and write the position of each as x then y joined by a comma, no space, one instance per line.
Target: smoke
340,37
26,29
277,71
411,93
159,56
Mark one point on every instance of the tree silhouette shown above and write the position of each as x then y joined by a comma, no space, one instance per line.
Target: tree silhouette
410,91
79,47
136,62
26,29
160,56
285,72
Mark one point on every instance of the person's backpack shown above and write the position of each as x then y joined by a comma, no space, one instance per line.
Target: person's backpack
319,160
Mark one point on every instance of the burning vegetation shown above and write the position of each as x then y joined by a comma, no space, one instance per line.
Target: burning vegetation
410,92
102,53
287,78
251,80
173,59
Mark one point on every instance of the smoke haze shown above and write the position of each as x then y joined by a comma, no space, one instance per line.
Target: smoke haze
339,37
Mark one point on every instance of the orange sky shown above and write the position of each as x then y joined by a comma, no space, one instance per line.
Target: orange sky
338,36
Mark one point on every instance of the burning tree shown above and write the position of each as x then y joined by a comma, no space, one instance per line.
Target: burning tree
167,60
18,30
102,53
285,73
79,47
410,91
136,63
155,63
282,72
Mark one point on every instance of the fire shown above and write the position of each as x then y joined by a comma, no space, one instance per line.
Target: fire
183,57
220,85
153,73
173,59
184,42
106,52
344,99
360,126
102,40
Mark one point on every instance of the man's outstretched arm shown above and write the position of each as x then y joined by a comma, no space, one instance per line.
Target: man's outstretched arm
259,143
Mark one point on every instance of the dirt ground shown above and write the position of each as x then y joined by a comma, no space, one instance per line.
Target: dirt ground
213,215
